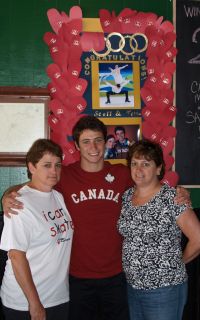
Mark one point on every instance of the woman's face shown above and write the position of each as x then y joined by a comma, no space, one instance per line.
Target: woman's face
110,143
144,172
46,172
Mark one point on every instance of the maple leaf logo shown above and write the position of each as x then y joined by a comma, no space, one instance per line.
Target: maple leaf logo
109,178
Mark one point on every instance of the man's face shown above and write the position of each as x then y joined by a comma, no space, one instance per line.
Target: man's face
92,148
120,135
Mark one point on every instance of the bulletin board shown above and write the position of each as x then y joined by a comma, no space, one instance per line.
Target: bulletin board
187,150
23,120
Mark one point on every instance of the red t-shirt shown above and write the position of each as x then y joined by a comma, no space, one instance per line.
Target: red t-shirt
94,203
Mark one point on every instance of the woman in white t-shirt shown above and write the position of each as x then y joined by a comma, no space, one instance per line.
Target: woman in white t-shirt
38,241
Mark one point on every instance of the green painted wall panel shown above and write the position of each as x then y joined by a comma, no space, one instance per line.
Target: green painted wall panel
23,54
11,176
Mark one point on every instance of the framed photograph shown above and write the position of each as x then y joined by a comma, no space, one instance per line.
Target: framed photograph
22,121
116,84
121,133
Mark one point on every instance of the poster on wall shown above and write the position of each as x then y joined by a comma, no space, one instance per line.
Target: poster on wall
114,79
187,151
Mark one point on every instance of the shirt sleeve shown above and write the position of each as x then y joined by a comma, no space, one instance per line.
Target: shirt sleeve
177,209
16,232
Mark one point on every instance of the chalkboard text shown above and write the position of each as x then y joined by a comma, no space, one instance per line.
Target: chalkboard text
192,11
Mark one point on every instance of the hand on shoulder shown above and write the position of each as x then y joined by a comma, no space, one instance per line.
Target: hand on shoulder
10,203
182,196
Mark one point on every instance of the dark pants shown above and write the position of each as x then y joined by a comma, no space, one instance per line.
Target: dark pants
110,93
58,312
102,299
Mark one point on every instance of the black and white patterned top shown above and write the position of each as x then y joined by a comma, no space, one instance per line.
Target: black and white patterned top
152,255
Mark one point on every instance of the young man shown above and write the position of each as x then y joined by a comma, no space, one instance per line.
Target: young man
122,143
92,190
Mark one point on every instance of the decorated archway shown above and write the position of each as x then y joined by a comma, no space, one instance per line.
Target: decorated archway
86,62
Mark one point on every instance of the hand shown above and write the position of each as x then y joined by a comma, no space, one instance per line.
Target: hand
37,311
10,203
183,196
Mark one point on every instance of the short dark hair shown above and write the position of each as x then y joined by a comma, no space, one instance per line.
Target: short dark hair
119,128
38,149
90,123
150,151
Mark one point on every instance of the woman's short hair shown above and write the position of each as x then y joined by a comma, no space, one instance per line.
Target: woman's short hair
38,149
150,151
110,136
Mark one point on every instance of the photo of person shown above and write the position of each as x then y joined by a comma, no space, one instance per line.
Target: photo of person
116,84
119,138
122,143
116,73
110,150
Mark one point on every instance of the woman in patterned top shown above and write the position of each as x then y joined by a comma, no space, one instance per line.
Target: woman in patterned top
151,225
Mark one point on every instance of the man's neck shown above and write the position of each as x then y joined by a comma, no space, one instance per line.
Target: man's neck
91,167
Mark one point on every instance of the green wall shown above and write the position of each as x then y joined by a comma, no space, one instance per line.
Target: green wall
24,56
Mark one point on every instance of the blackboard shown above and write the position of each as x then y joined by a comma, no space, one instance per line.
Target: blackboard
187,151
